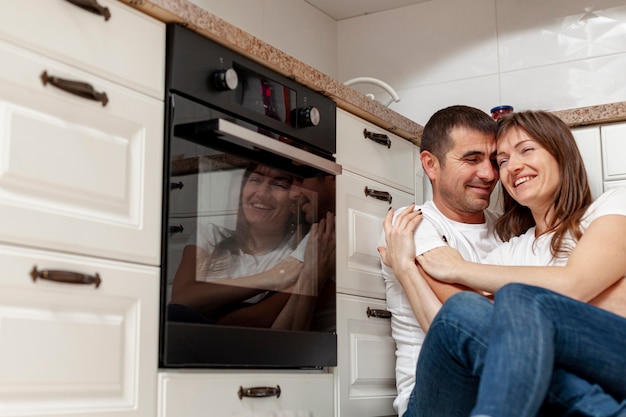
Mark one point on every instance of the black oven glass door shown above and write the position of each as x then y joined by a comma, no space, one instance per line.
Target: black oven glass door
249,264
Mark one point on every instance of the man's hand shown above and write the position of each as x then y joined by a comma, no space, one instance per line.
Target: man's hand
400,250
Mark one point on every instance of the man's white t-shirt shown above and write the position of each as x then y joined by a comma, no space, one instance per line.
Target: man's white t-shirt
473,241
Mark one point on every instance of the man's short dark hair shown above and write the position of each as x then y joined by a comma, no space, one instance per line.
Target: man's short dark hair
436,135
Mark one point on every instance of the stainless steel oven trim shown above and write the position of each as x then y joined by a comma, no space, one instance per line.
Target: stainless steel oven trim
224,127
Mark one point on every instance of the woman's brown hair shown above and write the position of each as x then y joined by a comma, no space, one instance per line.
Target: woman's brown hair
571,200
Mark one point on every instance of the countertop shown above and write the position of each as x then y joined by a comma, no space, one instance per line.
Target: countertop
211,26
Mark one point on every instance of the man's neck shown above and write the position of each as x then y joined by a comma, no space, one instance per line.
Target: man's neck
460,216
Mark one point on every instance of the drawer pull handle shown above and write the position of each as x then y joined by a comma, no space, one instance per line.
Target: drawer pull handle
177,229
379,195
77,88
93,7
259,392
379,138
381,314
65,276
176,185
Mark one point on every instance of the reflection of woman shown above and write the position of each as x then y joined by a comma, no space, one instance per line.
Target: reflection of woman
547,203
226,273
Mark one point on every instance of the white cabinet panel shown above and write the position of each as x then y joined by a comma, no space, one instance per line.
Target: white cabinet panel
215,393
367,353
74,347
391,165
588,141
115,49
359,228
75,175
614,151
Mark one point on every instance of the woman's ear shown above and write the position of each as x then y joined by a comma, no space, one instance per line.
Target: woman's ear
430,163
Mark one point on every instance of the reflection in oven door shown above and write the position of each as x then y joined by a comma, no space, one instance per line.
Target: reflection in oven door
250,247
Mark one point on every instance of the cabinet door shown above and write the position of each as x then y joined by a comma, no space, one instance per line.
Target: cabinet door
614,151
128,48
75,175
588,141
360,216
366,350
74,348
390,163
202,394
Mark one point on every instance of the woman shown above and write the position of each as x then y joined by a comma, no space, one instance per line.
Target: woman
547,200
245,276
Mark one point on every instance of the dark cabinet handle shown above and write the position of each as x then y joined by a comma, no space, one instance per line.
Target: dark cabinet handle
65,276
381,314
77,88
177,229
93,7
379,195
259,392
176,185
379,138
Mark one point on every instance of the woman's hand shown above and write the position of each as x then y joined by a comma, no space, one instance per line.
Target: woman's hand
442,263
399,235
319,256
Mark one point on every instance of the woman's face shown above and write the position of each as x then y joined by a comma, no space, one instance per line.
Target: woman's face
527,170
266,198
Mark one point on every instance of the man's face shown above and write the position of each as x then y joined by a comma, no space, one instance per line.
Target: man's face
467,176
317,197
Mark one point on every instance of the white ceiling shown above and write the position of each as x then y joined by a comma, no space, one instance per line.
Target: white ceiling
344,9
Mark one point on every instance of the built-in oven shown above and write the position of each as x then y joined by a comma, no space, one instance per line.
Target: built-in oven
248,255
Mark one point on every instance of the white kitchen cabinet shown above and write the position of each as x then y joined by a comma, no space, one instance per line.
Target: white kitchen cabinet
223,393
366,353
613,151
588,141
377,175
81,110
74,348
359,229
603,148
127,49
371,151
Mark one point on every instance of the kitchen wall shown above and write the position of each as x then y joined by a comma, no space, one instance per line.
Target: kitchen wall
538,54
292,26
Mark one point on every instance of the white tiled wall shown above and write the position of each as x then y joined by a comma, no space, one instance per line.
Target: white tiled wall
293,26
537,54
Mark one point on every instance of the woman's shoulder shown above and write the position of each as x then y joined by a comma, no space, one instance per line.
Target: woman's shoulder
610,202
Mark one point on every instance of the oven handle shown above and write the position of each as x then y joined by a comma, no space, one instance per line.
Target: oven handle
224,127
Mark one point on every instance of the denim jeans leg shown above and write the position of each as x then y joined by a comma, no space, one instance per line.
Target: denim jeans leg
534,330
450,360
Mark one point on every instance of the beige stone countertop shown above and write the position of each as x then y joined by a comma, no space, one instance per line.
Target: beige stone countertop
211,26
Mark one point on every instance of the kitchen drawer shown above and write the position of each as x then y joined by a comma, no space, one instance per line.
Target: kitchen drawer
359,228
129,48
390,165
366,357
213,393
74,349
614,151
75,175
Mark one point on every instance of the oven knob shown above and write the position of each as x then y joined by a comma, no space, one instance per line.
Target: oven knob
308,116
226,79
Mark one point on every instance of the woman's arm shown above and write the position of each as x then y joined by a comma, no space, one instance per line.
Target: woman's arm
212,297
596,263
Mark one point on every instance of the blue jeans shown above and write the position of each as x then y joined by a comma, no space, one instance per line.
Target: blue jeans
451,363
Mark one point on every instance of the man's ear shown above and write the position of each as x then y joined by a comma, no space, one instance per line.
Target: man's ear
430,163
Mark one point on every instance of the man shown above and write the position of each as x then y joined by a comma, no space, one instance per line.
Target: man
457,154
